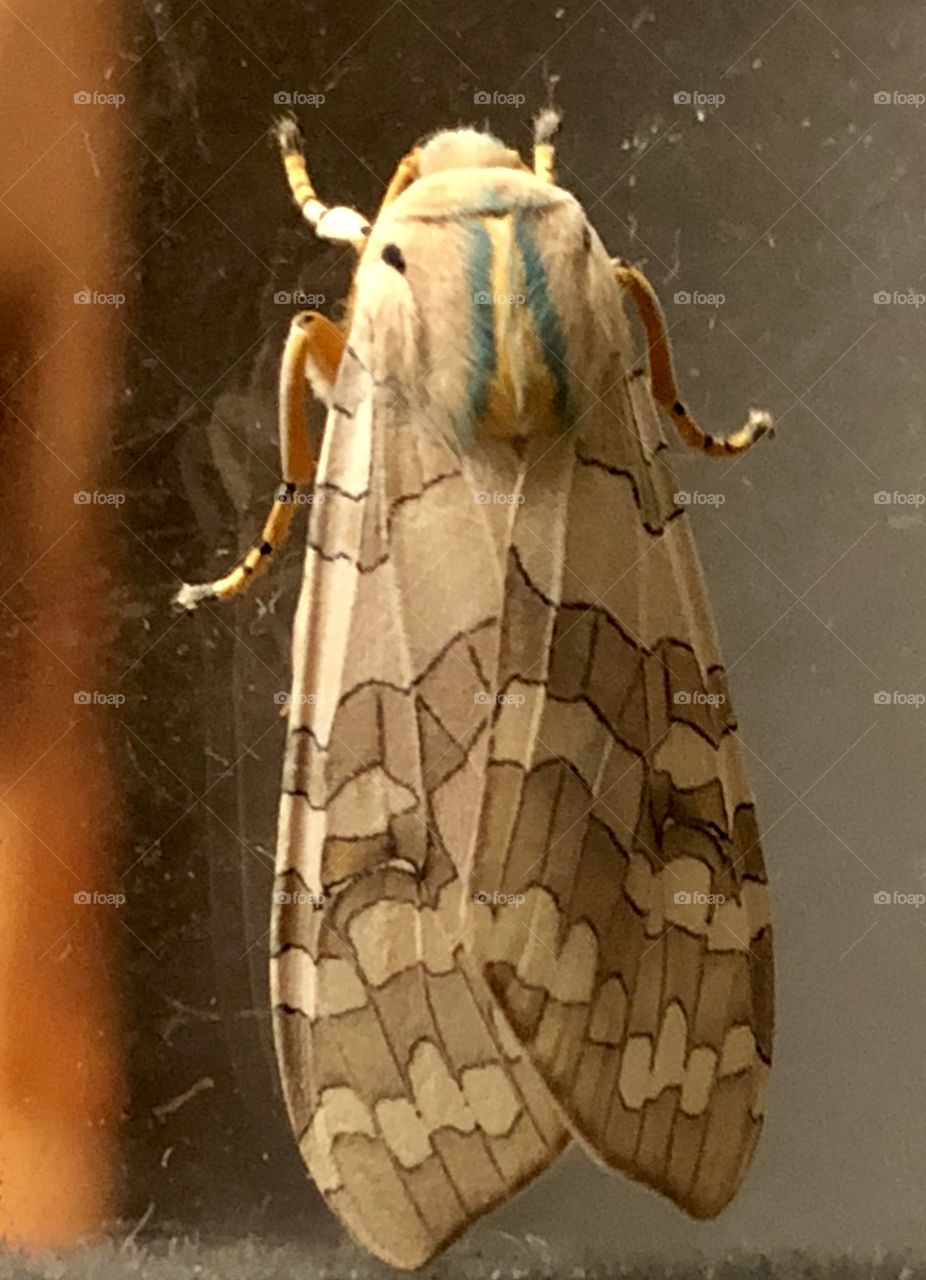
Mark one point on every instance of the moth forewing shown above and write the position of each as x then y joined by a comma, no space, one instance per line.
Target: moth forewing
626,934
415,1107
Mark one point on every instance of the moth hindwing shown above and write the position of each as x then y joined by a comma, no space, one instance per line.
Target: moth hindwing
520,895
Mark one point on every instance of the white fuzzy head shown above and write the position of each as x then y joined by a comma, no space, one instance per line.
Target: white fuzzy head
463,149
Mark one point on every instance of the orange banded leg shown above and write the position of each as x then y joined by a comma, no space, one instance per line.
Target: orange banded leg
545,126
662,376
337,222
313,350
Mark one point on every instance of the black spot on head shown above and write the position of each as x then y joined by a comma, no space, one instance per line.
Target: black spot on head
393,257
586,237
266,549
678,408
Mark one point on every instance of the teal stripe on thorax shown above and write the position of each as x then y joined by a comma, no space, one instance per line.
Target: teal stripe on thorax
482,334
546,321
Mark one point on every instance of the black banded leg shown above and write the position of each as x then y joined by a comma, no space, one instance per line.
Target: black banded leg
662,376
313,350
338,223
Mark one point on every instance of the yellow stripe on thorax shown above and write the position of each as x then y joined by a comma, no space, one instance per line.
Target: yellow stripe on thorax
521,393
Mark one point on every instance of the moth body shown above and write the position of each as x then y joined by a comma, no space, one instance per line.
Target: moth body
519,891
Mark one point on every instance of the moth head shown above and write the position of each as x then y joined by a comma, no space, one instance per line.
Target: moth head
465,149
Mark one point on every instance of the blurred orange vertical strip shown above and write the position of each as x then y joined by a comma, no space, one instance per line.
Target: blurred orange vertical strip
60,182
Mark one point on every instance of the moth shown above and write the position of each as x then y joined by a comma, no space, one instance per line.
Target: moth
519,896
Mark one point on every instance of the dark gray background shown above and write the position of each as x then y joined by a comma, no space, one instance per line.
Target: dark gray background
798,198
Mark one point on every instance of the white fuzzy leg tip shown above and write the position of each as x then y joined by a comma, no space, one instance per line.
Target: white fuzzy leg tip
546,124
760,422
191,595
342,224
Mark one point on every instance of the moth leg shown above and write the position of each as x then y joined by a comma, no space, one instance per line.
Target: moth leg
662,376
406,173
313,351
545,126
337,222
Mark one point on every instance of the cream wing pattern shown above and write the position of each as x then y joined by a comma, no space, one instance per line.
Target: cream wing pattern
628,936
415,1107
